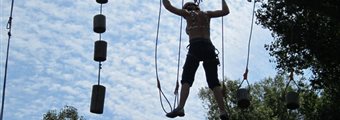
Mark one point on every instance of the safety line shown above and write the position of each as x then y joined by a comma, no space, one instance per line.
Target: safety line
9,27
245,75
223,47
156,64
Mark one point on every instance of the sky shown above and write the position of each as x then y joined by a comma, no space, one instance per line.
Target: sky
51,56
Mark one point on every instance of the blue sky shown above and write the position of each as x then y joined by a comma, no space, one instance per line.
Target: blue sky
51,56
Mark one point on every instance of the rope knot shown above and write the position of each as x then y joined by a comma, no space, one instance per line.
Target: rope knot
245,75
291,76
158,84
176,89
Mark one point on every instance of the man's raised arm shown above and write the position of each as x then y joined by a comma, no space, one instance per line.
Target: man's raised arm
173,9
220,13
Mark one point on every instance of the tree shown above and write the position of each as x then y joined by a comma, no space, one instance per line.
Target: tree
267,101
67,112
307,37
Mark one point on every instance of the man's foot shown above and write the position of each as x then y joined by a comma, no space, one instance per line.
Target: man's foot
224,116
176,112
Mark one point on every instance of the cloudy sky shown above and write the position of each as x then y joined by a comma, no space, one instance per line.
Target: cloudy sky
51,56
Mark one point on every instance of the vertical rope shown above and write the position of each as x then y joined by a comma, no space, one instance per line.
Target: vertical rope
99,68
251,33
245,75
101,8
100,38
156,64
156,44
224,89
222,49
178,60
9,27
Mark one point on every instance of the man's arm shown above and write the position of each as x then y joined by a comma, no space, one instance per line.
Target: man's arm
174,10
219,13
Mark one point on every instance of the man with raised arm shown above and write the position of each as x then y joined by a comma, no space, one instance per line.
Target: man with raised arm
200,49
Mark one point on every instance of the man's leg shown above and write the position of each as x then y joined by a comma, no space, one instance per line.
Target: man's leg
185,89
189,70
219,99
210,68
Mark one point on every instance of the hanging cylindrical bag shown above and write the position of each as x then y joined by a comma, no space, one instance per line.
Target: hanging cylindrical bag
99,23
97,99
102,1
243,99
100,49
292,100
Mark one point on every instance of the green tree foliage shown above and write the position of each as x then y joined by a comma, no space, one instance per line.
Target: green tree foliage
267,101
67,113
307,37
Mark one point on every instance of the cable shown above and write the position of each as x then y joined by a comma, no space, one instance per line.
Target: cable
251,32
179,59
99,68
156,64
223,50
224,88
245,75
100,38
9,27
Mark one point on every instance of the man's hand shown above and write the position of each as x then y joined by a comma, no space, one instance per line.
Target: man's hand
198,1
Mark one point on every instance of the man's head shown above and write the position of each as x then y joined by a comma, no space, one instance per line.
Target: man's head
191,6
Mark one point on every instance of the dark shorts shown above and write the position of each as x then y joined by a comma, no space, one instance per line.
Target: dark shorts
201,50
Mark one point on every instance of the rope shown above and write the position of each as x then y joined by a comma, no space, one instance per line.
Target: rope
101,8
222,30
99,68
250,35
223,65
178,60
100,38
9,27
291,78
161,94
245,75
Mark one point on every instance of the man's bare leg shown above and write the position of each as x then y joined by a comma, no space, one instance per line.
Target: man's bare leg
219,99
185,89
179,111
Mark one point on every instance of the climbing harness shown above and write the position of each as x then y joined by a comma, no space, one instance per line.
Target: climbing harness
100,51
9,27
243,94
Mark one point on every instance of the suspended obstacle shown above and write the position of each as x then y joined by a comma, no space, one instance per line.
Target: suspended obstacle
100,48
292,98
99,23
243,98
102,1
97,99
100,53
243,94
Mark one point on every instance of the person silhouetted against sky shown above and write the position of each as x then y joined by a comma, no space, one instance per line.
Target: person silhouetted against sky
200,49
